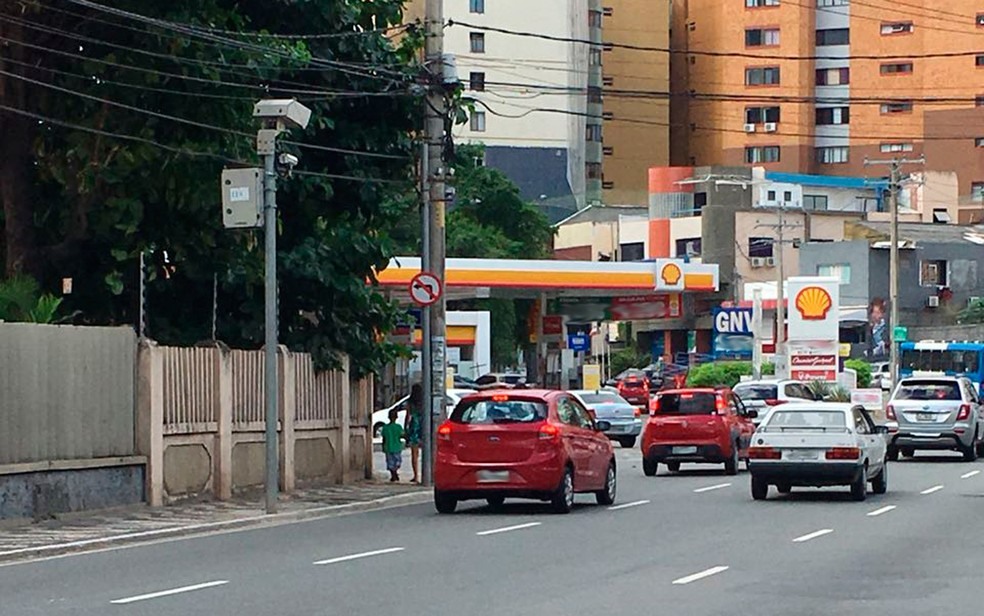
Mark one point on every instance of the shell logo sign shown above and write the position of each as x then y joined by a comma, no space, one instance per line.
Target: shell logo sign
671,274
813,303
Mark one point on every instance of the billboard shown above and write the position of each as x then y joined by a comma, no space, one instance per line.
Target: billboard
733,333
814,308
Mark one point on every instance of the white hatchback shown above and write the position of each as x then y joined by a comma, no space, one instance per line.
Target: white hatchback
818,444
381,417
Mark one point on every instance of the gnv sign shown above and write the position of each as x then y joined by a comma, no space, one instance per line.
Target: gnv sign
733,335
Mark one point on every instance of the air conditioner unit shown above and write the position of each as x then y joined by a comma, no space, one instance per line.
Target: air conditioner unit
758,261
770,127
933,301
749,128
770,261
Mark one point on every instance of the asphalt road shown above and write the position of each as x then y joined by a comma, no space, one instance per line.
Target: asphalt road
693,544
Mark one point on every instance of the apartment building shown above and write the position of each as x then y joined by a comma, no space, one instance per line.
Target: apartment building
816,86
555,110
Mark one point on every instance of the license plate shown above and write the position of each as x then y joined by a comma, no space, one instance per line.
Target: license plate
925,417
801,455
684,451
493,476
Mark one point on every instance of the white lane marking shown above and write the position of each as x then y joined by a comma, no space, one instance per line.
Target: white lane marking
715,487
507,529
970,474
933,489
701,575
878,512
167,593
627,505
813,535
342,559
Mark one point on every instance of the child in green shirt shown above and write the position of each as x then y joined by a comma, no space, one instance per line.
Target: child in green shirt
393,445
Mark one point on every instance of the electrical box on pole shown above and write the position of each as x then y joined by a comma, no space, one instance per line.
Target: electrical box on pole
242,198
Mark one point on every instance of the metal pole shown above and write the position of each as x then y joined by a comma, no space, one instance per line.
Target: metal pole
427,377
436,111
893,267
270,327
781,371
757,334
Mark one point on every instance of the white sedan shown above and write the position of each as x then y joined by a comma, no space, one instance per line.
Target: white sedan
381,417
818,444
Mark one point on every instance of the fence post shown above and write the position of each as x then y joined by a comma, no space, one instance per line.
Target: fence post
288,412
150,418
345,451
223,417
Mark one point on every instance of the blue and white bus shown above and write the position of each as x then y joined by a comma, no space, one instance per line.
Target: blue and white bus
929,357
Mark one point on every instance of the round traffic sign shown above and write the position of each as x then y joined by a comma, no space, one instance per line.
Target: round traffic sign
425,289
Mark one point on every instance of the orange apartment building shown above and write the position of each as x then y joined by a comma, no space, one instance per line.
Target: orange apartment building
816,86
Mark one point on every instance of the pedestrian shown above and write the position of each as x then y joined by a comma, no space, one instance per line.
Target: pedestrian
393,445
414,428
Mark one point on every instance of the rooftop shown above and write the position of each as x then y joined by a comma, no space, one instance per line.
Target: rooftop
926,233
604,213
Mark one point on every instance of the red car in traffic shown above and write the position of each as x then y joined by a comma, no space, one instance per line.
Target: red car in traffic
633,385
535,444
696,425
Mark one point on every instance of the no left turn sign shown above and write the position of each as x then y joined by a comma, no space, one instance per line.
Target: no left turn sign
425,289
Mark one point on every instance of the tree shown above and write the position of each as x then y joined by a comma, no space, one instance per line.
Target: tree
973,313
118,120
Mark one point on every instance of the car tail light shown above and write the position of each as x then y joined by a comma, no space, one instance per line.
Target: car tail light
654,406
764,453
444,432
964,412
843,453
890,412
720,404
549,432
773,402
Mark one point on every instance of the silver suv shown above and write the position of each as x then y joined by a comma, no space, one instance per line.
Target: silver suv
942,413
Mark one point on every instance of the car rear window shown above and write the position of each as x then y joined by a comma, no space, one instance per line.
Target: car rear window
601,398
478,412
928,390
826,420
757,392
687,404
512,379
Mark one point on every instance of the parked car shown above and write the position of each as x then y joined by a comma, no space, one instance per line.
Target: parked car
500,380
624,418
381,417
881,375
537,444
940,412
696,425
818,444
633,385
463,382
761,395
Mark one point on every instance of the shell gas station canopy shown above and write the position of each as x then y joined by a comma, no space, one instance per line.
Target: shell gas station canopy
483,278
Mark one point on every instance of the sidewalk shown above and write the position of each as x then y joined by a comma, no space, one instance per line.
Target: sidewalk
85,531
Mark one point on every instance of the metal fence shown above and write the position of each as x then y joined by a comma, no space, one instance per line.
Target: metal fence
190,382
66,393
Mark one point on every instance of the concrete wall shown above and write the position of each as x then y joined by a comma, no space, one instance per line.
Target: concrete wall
854,254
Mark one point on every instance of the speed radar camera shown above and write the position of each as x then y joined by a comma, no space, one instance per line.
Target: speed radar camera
286,111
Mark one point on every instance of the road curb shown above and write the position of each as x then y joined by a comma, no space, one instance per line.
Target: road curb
22,555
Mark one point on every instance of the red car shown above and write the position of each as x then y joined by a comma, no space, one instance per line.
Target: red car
696,425
633,385
535,444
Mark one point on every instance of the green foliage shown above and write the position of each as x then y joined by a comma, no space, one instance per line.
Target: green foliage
863,369
21,300
829,392
973,313
631,357
724,374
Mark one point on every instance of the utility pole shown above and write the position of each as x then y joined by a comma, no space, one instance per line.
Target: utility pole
437,169
894,185
782,366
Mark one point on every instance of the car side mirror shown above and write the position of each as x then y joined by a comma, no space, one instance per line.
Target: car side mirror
603,426
881,429
752,414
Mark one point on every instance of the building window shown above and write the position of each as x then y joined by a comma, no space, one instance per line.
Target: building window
941,216
760,76
595,19
762,37
593,171
896,27
977,192
758,115
754,4
762,154
760,246
979,100
897,107
700,200
688,247
833,36
594,57
477,123
900,68
477,40
979,142
594,94
896,147
979,60
833,76
476,6
608,81
823,3
833,115
594,133
840,271
476,82
832,155
932,273
815,202
636,251
980,19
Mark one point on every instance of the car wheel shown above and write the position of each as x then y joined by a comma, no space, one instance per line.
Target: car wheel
970,453
784,488
879,485
907,452
859,487
731,465
627,442
649,467
673,466
563,498
892,454
606,496
444,503
760,489
980,448
495,502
